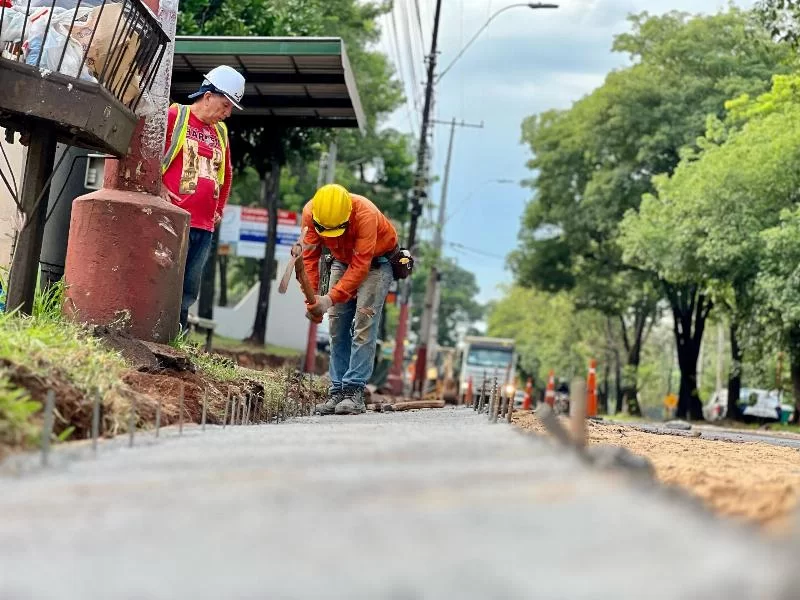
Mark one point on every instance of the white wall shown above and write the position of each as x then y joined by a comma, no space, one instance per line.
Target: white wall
8,211
287,325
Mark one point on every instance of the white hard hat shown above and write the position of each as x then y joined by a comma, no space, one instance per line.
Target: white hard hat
226,81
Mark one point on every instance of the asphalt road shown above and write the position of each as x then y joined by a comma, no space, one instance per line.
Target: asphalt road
429,504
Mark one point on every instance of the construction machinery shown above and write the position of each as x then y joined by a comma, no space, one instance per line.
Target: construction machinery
486,358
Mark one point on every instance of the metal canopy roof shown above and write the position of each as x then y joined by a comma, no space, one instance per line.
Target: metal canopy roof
304,82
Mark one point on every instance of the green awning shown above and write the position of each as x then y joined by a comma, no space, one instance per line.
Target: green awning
305,82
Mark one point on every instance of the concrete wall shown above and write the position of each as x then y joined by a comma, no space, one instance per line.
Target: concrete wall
8,211
286,323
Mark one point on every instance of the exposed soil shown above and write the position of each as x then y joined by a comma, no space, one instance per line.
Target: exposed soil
163,377
754,482
262,361
71,408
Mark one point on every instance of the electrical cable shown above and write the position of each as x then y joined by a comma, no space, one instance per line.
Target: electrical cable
46,187
475,251
395,57
15,190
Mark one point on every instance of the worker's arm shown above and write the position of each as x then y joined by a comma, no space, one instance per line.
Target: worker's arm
311,255
357,271
225,192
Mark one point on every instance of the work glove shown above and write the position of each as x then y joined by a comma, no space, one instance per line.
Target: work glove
317,310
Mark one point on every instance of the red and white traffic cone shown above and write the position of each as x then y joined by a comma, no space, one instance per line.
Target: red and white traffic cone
591,390
550,392
528,400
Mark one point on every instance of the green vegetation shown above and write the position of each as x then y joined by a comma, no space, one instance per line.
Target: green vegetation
670,191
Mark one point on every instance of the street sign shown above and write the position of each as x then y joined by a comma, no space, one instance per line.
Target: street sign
244,231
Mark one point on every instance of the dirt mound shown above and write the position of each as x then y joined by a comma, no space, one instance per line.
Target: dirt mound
135,353
753,482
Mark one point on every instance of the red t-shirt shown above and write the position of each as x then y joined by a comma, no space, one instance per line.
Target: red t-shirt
192,176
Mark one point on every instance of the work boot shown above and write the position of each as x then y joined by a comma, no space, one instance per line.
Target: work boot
329,406
353,403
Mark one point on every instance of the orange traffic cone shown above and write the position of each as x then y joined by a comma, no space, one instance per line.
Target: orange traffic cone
468,395
550,392
527,401
591,390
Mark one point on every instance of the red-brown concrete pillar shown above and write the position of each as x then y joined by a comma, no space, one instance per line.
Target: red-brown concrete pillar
127,246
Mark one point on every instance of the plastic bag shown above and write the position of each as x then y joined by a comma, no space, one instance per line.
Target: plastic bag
11,27
56,40
34,33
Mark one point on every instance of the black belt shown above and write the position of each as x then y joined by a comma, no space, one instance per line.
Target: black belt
376,262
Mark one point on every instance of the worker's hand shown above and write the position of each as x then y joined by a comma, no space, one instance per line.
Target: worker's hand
217,218
319,308
313,319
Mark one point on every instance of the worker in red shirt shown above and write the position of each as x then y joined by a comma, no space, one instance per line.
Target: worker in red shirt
362,242
196,169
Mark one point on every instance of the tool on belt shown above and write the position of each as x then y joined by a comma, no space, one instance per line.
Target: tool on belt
402,262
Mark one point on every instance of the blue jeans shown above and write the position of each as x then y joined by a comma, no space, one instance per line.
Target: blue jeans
196,257
354,327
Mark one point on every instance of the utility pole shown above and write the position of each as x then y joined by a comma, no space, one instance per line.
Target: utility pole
427,336
420,184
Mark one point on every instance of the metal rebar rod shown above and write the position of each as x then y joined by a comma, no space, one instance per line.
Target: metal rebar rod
180,409
510,411
131,424
205,409
95,421
495,403
158,416
227,402
47,427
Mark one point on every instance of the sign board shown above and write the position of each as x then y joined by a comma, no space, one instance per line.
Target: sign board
244,231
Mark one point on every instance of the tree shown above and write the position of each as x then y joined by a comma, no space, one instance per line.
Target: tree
599,158
458,305
269,150
550,332
703,227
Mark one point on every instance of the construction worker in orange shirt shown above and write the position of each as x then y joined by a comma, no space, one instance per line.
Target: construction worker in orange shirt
366,259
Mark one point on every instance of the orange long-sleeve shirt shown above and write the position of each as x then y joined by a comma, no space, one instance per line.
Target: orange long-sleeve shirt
368,234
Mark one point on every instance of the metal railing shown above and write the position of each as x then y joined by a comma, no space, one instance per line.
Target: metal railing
117,44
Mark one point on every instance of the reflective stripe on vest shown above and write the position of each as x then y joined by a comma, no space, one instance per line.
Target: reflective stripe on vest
179,131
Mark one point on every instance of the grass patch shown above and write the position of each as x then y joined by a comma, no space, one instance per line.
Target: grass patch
232,345
16,412
45,343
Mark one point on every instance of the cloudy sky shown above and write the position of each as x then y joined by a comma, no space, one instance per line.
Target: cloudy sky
527,61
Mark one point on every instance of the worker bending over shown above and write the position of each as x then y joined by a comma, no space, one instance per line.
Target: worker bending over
362,242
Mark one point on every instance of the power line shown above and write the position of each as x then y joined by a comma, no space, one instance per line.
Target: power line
410,45
483,253
394,56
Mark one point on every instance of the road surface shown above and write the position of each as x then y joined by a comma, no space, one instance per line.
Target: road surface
423,505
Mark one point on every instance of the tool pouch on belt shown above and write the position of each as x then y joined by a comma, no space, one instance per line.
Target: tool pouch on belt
402,262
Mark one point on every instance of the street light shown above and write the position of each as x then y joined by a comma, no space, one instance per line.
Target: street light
531,5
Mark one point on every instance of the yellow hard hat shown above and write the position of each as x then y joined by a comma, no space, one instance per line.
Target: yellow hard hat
331,207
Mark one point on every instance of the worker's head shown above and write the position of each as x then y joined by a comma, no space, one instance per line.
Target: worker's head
221,92
331,207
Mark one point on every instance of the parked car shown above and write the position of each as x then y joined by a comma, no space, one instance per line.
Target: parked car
323,337
755,404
